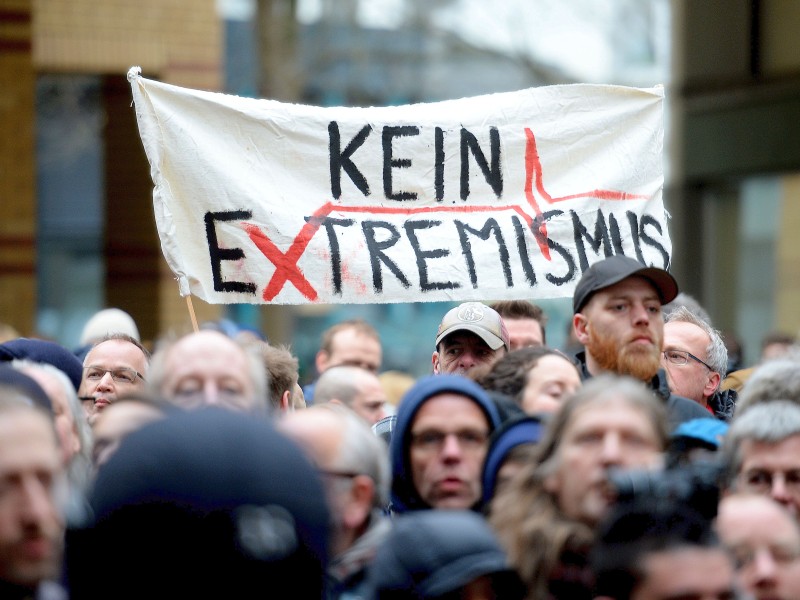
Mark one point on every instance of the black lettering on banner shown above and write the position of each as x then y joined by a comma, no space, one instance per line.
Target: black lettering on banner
377,256
616,236
633,225
423,255
600,238
653,243
522,248
555,246
489,228
438,163
493,174
389,162
336,256
341,160
218,254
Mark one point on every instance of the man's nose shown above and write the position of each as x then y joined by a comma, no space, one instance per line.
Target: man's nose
467,359
778,490
611,452
640,314
36,500
211,395
451,447
764,566
106,380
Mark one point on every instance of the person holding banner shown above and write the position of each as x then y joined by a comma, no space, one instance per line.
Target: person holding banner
470,335
618,319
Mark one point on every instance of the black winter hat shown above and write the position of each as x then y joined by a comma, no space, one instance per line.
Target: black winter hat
44,351
205,503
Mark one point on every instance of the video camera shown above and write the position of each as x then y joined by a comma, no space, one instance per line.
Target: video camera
695,484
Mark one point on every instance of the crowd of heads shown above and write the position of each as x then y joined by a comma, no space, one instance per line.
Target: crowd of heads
637,465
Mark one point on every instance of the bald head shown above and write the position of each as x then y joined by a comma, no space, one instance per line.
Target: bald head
357,388
209,368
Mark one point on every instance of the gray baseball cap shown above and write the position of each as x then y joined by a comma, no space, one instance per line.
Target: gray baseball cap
482,320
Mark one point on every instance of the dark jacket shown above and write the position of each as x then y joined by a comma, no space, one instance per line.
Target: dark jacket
679,409
404,495
346,575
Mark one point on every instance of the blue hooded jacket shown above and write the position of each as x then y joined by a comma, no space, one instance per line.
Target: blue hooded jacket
404,495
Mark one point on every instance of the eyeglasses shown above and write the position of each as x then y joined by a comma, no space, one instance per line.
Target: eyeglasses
761,480
118,375
681,357
433,441
340,474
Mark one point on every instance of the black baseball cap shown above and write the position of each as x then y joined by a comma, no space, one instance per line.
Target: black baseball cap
611,270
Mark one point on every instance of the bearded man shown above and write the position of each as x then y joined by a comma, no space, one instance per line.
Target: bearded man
617,317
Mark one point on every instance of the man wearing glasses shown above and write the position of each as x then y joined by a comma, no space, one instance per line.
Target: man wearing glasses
617,318
439,444
695,359
115,365
761,453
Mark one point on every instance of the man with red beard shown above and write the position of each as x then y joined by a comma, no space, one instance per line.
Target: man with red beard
617,317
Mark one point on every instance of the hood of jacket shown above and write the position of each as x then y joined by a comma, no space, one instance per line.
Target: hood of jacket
404,496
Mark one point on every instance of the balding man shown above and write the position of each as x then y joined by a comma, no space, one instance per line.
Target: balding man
356,388
209,368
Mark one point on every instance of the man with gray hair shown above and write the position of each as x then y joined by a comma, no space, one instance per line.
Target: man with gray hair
761,453
356,388
777,379
208,368
695,359
354,465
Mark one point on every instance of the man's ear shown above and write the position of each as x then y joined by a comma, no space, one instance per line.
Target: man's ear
321,361
580,325
435,362
359,504
286,402
712,385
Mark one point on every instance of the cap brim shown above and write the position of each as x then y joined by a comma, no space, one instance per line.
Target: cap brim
665,284
491,339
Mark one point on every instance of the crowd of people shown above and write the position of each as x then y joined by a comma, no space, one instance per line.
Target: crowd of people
639,465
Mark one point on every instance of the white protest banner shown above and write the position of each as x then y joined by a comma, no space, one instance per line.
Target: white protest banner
502,196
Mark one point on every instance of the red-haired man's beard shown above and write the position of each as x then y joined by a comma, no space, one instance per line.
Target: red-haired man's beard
641,361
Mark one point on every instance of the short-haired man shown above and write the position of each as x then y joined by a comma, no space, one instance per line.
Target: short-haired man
658,551
764,540
470,335
354,465
352,342
695,359
439,443
207,367
358,389
761,452
282,368
617,317
31,524
776,379
525,322
115,365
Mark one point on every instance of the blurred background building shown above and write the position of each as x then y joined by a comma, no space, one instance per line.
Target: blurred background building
76,224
